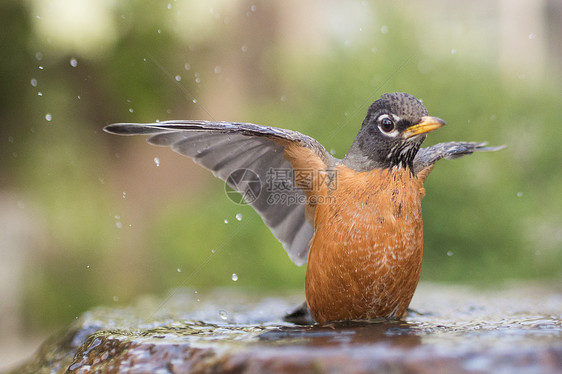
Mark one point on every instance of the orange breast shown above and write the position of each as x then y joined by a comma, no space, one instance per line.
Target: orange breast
366,254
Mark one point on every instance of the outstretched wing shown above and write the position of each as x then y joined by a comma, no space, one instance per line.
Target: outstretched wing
426,157
230,150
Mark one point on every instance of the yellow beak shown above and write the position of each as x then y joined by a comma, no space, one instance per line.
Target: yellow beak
426,125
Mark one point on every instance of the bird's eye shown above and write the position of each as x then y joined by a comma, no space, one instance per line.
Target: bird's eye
387,125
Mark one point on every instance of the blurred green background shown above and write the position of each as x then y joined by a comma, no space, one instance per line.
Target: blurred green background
88,218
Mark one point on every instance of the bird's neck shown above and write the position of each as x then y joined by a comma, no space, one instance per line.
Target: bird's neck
362,163
400,156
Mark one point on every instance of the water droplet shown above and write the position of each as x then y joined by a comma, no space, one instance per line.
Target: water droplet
34,82
453,51
519,194
283,98
213,251
197,80
178,78
239,216
194,101
244,48
532,35
218,69
38,55
234,277
225,221
179,270
116,298
40,67
87,266
384,29
102,180
73,62
450,253
39,93
117,217
159,31
169,6
157,161
124,195
223,315
118,224
48,117
253,8
187,66
131,110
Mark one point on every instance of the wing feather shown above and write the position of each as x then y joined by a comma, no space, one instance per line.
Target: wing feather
427,156
224,147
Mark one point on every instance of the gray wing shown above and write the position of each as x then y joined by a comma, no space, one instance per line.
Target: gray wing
229,150
429,155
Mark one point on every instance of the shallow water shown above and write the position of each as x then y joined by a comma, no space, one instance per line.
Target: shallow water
455,329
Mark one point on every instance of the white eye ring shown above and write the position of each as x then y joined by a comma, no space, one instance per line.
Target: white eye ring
387,125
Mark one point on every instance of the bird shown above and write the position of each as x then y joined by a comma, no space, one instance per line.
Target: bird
355,222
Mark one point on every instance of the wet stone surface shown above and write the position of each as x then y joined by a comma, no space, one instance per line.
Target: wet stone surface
510,330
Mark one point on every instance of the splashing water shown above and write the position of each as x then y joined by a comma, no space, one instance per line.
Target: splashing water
223,315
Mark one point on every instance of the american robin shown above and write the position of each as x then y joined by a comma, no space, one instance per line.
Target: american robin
356,221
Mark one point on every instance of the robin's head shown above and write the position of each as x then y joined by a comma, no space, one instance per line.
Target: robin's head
391,134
